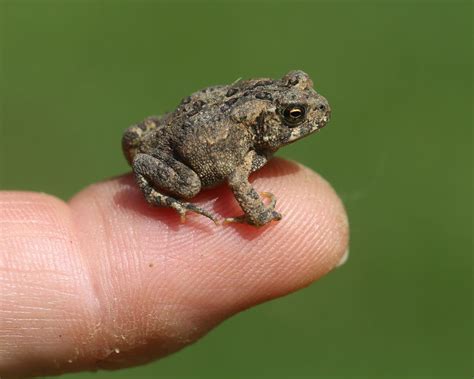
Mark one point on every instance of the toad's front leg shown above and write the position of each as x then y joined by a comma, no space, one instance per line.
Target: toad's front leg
256,212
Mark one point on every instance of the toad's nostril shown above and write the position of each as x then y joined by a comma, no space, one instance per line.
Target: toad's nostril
322,107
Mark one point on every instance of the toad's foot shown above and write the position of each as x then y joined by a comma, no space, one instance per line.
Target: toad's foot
268,215
154,197
182,208
271,197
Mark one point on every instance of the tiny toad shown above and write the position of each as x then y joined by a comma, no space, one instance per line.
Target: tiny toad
222,134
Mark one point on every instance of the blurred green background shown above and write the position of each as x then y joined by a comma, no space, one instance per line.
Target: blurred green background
398,150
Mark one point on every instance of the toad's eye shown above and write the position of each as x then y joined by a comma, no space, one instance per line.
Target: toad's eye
294,114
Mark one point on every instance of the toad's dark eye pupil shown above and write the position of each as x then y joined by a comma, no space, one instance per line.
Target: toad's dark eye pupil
295,112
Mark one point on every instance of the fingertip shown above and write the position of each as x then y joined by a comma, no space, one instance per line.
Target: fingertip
313,235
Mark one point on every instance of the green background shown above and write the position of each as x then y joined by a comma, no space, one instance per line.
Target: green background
398,76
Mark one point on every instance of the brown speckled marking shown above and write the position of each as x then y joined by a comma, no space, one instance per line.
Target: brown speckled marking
231,92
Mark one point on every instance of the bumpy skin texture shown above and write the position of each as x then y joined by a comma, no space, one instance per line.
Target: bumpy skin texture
222,134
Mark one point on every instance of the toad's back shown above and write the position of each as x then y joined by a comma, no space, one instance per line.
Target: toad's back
209,103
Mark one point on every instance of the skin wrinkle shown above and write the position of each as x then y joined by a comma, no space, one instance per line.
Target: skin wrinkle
338,235
31,271
327,235
94,340
25,214
253,273
129,263
42,253
297,242
34,285
320,239
132,262
114,323
210,298
164,286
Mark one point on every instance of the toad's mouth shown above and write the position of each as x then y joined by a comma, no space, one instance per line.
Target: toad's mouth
324,121
307,129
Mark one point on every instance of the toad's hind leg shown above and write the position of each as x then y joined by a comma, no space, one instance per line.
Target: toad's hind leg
132,137
166,173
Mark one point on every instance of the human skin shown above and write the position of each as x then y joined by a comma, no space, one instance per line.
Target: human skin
107,281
